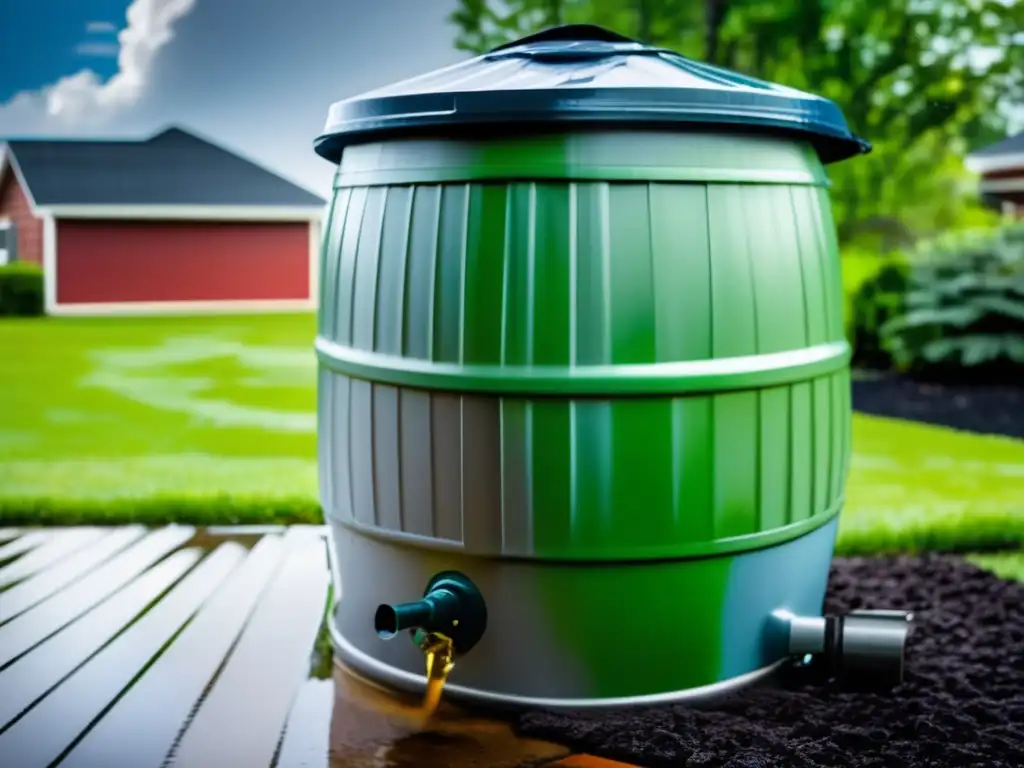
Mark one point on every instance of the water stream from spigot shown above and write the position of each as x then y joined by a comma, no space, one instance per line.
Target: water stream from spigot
438,653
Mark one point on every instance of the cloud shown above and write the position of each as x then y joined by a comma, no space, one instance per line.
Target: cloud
99,27
82,98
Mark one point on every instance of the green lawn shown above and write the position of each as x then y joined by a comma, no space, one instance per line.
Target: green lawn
158,415
915,486
1005,565
213,420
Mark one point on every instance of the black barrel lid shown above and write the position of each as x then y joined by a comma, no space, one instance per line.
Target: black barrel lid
583,74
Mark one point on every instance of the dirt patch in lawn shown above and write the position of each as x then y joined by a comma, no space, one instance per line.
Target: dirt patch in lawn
994,410
962,702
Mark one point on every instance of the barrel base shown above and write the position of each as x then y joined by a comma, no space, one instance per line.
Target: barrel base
402,680
585,634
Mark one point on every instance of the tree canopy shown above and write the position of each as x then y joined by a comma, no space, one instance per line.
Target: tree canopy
923,80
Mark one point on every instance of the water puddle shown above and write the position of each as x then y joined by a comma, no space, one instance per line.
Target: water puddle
372,727
375,728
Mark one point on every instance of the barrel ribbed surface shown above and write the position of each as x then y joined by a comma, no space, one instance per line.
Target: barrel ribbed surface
568,367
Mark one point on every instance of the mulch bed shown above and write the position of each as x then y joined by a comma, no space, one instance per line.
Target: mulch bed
961,703
987,409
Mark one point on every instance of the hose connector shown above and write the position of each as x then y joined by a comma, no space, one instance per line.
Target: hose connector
862,649
451,606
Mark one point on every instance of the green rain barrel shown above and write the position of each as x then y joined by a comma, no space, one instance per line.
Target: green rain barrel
581,341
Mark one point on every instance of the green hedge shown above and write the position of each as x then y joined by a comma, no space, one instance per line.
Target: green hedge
21,290
964,309
875,287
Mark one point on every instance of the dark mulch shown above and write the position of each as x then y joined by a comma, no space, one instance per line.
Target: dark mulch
961,704
996,410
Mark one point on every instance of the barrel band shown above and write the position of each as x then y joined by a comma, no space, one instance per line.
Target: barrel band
604,173
611,553
726,374
696,157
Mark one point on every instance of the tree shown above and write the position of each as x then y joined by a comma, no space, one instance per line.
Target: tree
919,78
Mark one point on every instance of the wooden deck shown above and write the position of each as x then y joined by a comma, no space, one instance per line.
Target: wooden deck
193,648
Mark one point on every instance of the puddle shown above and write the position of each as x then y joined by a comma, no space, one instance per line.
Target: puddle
374,728
370,727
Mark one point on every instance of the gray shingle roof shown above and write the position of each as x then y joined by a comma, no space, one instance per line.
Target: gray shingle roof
173,167
1009,146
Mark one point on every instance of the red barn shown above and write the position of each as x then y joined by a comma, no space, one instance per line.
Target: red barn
171,223
1001,166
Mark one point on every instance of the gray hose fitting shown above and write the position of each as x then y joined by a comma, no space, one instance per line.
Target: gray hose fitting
863,649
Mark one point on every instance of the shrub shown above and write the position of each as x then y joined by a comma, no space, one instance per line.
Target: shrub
964,314
21,290
880,298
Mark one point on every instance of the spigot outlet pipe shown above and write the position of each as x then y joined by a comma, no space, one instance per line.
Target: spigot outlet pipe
451,605
437,609
863,649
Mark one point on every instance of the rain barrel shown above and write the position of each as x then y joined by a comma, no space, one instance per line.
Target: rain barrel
581,340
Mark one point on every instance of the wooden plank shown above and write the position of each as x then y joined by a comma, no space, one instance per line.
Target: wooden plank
307,737
144,723
244,530
33,626
34,590
6,534
49,728
36,672
24,543
241,720
61,545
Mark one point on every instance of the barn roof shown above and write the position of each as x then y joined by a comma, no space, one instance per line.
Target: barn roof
174,167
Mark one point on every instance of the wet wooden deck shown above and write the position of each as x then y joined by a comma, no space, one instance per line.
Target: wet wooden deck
141,648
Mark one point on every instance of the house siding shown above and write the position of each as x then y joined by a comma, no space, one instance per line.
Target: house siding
1006,173
14,205
100,261
1003,198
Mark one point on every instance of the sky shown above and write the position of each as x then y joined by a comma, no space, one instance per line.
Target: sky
257,76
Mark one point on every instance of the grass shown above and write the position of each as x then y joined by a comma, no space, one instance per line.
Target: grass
1005,565
160,418
919,487
212,421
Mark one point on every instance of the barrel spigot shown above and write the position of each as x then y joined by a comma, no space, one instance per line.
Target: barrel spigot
451,608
